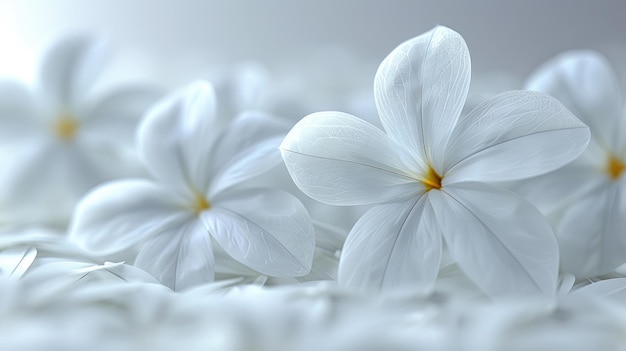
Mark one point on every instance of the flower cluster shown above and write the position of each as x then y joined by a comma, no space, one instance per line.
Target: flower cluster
231,214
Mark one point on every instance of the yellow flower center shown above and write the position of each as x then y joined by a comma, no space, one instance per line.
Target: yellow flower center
66,127
615,167
201,204
432,179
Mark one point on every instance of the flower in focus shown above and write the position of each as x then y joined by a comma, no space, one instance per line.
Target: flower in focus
58,142
587,198
199,167
428,174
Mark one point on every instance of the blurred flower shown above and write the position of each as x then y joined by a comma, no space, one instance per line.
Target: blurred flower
58,142
330,78
198,165
246,86
428,173
587,198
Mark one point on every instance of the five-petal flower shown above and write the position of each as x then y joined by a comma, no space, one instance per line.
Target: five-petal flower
198,167
428,173
58,142
587,198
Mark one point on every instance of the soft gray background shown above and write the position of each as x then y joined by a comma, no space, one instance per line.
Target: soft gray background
186,35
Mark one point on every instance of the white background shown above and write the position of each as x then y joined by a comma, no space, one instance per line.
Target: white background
186,36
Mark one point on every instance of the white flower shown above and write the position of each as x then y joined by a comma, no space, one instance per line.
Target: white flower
428,173
197,167
58,141
587,198
246,86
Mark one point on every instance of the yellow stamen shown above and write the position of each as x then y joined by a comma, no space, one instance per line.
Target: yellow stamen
615,167
66,127
201,204
432,179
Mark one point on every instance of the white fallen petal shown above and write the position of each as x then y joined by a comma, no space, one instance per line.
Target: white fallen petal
609,288
16,260
70,273
97,267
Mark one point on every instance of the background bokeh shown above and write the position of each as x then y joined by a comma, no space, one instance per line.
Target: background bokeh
177,39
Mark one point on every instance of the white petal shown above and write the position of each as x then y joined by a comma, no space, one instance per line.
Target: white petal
248,164
118,215
246,149
591,232
43,181
268,230
69,69
176,136
420,89
16,260
514,135
245,131
566,283
240,89
340,159
19,117
80,272
610,288
70,171
50,199
113,119
621,132
393,246
586,84
499,240
101,161
180,257
559,189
